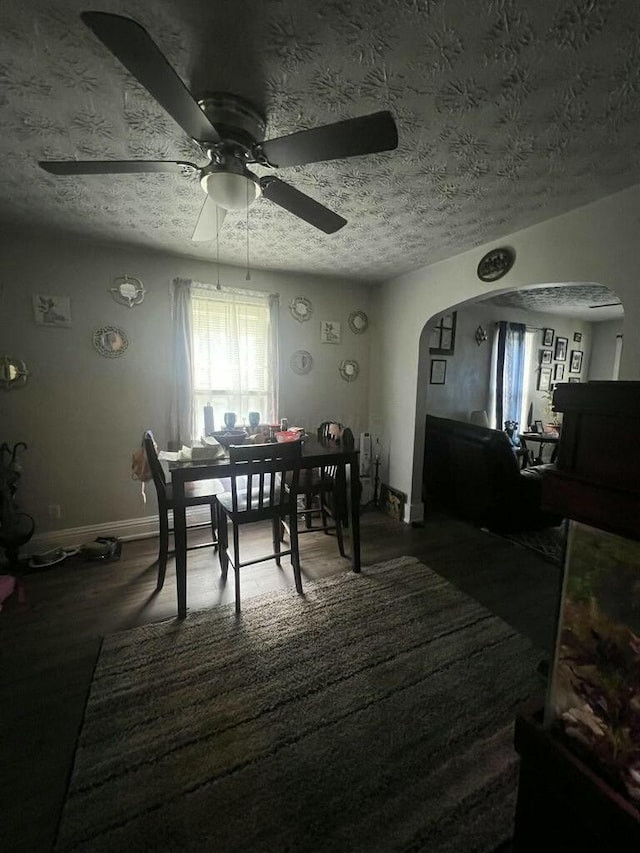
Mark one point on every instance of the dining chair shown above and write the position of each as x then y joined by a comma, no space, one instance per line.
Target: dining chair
198,493
322,491
258,473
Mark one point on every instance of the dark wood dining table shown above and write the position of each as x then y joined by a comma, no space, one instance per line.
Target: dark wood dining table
542,438
314,453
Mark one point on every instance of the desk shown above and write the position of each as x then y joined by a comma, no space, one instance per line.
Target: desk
314,453
543,438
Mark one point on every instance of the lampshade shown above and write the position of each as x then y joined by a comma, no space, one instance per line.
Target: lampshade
479,417
231,190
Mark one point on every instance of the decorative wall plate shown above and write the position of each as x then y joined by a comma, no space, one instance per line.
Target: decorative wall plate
349,370
301,308
495,264
358,322
110,341
301,362
128,290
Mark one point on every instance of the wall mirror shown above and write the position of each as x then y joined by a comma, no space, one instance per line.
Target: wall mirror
13,373
128,291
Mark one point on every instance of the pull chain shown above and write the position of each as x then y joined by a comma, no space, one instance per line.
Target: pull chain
248,275
217,250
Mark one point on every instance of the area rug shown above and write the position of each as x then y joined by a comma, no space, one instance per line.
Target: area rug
375,713
549,543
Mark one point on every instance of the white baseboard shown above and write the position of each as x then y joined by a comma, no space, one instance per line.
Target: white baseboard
416,512
126,530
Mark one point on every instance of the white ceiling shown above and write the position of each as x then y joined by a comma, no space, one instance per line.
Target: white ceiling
591,302
509,112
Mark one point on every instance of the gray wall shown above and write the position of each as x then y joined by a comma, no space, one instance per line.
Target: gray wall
82,414
601,364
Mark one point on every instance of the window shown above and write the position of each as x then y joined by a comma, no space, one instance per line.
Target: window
234,357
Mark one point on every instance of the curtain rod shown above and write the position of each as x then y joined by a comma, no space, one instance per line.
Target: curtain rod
528,328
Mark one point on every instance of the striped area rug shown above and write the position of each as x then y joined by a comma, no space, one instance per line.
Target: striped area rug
374,714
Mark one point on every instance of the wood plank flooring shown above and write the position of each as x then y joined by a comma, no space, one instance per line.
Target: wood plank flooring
49,644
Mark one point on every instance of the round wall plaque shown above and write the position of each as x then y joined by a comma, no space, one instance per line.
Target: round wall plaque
301,308
495,264
349,369
110,341
301,362
358,322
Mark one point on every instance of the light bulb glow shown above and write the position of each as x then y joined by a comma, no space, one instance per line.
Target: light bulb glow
231,190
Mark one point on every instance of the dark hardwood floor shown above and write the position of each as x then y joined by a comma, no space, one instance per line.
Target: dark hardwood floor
49,644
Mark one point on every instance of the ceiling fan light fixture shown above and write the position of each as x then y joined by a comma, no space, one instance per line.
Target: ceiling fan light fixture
231,190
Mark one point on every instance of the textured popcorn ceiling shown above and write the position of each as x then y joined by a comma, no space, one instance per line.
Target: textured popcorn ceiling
509,112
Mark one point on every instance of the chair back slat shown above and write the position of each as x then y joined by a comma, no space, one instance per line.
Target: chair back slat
264,466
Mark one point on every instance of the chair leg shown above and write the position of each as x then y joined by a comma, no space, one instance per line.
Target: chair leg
223,545
308,504
214,524
236,564
163,551
276,526
295,552
339,537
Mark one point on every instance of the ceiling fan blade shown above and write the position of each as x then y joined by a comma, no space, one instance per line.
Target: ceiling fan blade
209,221
364,135
133,46
301,205
114,167
606,305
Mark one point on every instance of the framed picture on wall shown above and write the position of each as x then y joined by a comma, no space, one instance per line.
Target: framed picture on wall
577,337
438,373
443,335
574,379
546,356
560,353
547,337
558,373
544,379
575,366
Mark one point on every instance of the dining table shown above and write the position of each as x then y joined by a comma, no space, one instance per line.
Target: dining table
315,452
542,438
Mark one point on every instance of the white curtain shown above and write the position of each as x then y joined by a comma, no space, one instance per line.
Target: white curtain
181,412
226,341
507,379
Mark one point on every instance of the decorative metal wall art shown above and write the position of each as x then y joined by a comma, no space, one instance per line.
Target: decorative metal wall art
358,322
301,362
128,291
301,308
110,341
349,369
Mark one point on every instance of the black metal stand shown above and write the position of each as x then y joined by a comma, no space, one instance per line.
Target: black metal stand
376,482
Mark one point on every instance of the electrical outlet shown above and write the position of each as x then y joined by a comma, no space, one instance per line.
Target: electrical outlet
54,511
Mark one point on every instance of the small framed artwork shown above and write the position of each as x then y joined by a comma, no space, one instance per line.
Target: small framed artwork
544,379
577,337
438,373
52,310
546,355
392,502
575,365
574,379
547,337
558,373
443,335
539,427
330,332
560,353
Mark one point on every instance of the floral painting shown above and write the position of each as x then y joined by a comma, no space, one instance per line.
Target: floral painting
330,332
594,696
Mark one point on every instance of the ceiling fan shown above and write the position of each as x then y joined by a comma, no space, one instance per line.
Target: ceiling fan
230,132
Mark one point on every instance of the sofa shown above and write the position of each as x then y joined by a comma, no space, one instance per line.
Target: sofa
472,472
